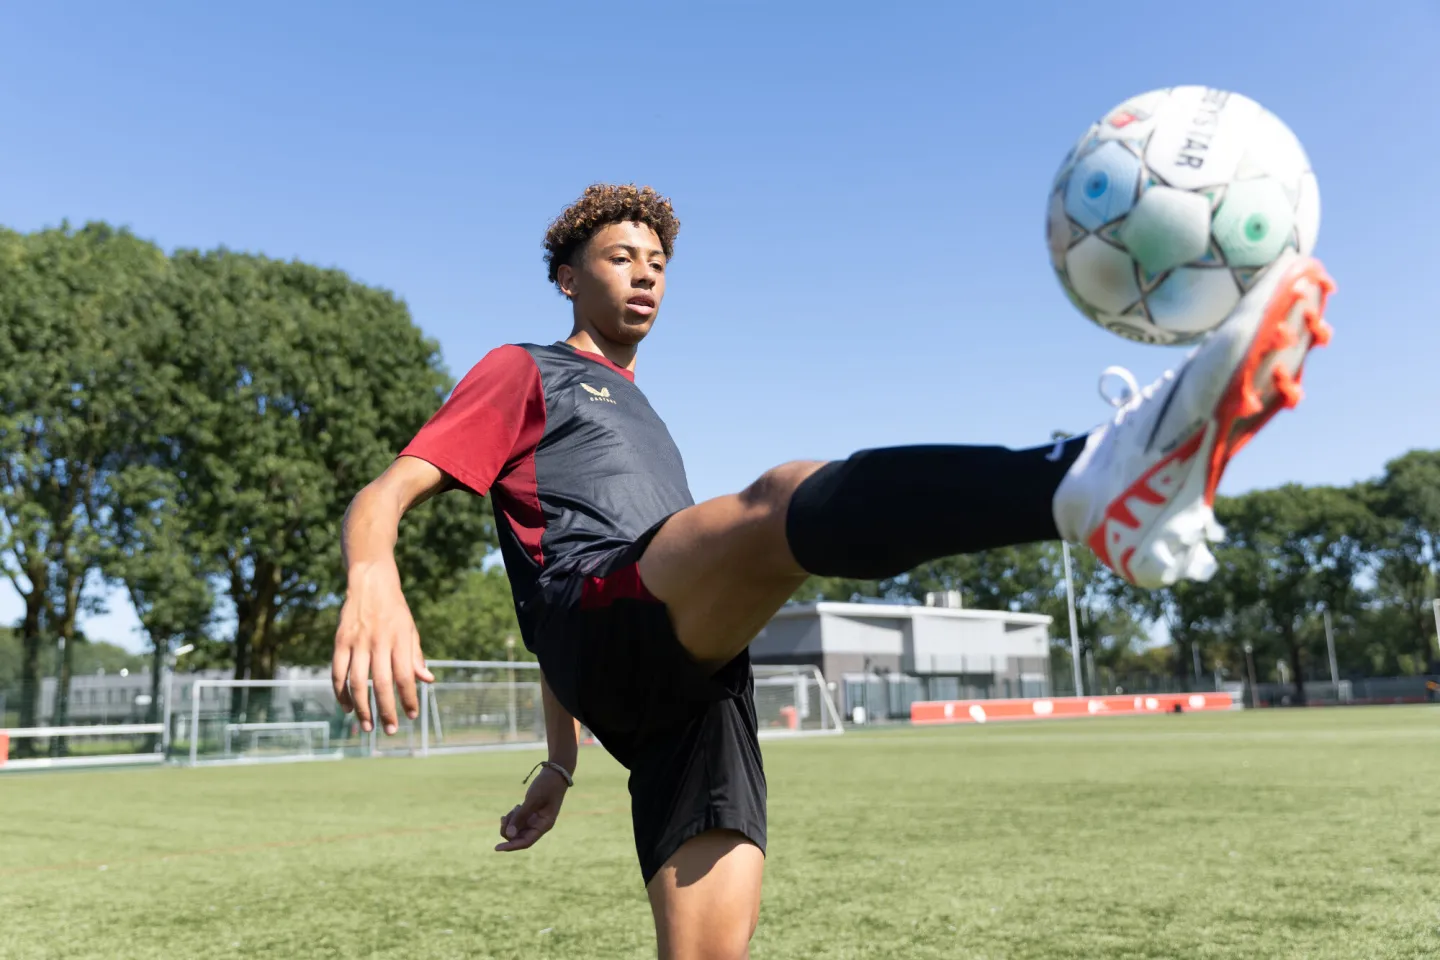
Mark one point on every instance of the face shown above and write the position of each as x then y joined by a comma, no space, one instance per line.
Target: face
617,282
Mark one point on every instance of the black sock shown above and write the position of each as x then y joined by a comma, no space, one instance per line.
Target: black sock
882,512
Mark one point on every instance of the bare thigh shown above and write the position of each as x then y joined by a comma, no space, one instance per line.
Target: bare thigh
723,567
706,898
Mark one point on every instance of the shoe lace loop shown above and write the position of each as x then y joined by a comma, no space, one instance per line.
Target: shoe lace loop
1127,379
1133,394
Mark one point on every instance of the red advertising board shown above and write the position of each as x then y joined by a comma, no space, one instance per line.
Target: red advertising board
1047,708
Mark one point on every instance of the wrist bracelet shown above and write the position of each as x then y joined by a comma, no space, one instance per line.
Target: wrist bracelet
550,765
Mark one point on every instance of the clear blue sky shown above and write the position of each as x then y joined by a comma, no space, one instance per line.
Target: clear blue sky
862,190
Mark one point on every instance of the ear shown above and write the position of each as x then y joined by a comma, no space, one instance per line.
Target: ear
565,279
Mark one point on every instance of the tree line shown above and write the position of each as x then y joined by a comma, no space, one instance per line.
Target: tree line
1367,554
189,428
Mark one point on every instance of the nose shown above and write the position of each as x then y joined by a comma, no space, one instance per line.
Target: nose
644,276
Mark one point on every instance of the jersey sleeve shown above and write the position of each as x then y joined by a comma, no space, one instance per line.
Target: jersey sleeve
493,419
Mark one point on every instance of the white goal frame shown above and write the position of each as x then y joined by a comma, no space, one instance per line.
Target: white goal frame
371,738
830,723
826,719
280,726
432,732
784,675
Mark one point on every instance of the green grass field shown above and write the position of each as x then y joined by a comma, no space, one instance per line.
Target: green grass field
1273,834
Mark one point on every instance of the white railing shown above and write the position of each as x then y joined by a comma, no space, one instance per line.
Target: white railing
83,732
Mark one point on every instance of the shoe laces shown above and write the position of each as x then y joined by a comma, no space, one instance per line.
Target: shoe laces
1133,395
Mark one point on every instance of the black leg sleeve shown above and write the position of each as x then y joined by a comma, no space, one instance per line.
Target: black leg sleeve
882,512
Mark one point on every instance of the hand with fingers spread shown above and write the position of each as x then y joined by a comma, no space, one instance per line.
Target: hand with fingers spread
536,814
377,640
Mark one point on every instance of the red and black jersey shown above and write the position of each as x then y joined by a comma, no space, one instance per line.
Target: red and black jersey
574,459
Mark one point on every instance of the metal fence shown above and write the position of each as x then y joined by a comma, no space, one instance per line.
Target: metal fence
1356,692
488,705
882,696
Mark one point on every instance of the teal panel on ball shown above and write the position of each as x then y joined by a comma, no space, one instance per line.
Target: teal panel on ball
1167,228
1254,222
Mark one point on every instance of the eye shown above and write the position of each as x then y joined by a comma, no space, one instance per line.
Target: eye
658,266
618,258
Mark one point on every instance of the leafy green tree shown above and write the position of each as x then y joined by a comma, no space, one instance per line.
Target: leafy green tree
1107,628
471,622
1193,615
1008,578
95,656
158,552
9,658
1290,553
302,385
835,590
1407,499
90,656
73,307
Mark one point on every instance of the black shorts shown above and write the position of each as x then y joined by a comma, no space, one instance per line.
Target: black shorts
687,735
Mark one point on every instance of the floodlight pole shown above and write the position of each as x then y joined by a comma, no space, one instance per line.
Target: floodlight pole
1250,668
1074,632
510,657
167,691
1437,622
1058,435
167,684
865,685
1330,645
195,689
169,663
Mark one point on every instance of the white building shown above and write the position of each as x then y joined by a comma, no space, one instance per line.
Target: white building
116,698
885,656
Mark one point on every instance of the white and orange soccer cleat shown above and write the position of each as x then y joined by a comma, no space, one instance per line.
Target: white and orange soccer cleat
1141,493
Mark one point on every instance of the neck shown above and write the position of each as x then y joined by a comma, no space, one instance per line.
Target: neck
620,354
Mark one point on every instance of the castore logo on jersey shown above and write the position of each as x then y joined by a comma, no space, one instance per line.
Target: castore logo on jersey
602,394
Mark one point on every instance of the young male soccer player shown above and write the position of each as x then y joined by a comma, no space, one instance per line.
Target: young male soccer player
640,604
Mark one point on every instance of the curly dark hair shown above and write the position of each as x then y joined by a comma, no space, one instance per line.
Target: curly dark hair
601,205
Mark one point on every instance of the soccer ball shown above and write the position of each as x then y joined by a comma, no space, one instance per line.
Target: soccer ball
1173,206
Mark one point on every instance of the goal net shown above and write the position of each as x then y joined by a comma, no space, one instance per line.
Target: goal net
256,721
480,704
792,700
472,705
475,704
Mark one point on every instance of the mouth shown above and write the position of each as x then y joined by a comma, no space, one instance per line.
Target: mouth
641,303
